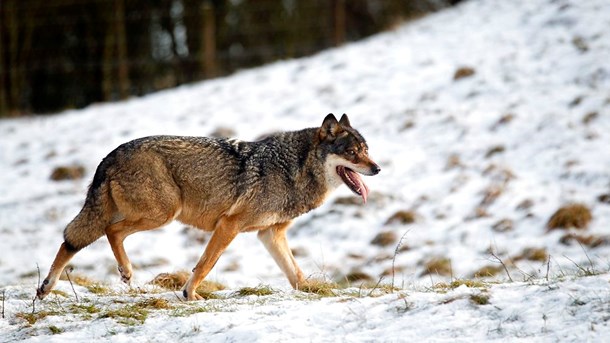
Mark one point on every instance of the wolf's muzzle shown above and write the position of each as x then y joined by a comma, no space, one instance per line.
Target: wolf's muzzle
375,169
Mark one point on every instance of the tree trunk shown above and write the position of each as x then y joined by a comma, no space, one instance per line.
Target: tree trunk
209,40
121,49
3,99
107,59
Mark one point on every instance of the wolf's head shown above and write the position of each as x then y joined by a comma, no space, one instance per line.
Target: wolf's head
345,154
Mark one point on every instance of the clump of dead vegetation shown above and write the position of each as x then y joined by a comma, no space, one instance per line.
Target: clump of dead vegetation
175,281
494,150
319,287
438,265
488,271
503,225
259,291
403,217
533,254
223,132
577,216
384,239
592,241
463,72
73,172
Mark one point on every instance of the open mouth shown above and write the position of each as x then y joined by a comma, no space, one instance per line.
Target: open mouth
353,181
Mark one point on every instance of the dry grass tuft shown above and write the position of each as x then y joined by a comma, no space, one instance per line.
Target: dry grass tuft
402,217
223,132
74,172
453,161
384,239
32,318
438,265
460,282
488,271
575,216
261,290
525,205
98,289
503,225
533,254
590,117
604,198
175,281
480,299
348,201
171,281
127,315
319,287
592,241
78,279
155,303
357,276
490,195
463,72
495,150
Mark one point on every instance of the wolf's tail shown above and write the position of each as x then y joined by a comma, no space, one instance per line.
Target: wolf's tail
95,216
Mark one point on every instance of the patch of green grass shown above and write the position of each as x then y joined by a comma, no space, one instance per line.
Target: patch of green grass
369,289
261,290
55,330
480,299
60,293
465,282
83,308
32,318
154,303
77,279
98,289
185,311
127,315
207,295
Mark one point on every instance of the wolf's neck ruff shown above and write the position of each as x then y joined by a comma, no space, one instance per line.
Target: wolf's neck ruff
225,186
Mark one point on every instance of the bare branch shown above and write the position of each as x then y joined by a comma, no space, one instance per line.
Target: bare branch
68,271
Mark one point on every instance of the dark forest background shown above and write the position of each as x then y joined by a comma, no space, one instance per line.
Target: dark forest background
59,54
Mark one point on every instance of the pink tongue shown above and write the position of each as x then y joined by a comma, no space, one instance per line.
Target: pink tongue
364,190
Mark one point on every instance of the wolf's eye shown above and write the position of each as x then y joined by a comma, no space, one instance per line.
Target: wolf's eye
351,152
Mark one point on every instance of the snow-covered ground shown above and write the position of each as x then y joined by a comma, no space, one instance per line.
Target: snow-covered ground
482,162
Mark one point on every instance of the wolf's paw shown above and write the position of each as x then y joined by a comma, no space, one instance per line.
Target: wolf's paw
192,296
43,290
125,274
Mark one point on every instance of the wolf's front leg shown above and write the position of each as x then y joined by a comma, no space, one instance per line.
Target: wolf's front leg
221,238
274,239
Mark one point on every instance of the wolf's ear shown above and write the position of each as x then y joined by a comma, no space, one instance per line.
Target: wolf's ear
344,121
330,128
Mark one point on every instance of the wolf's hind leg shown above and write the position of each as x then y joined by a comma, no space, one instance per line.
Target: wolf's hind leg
64,255
117,233
142,207
274,239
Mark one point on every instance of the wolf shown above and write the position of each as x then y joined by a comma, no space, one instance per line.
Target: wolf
225,186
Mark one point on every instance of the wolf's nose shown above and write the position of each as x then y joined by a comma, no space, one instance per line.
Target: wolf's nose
375,169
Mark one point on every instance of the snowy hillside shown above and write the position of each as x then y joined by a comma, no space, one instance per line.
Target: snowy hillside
485,118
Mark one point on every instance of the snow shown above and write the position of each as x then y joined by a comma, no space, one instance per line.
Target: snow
542,64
